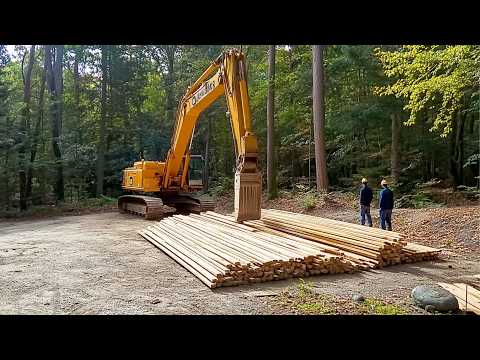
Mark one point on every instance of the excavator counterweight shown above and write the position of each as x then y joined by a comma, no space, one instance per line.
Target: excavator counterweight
171,181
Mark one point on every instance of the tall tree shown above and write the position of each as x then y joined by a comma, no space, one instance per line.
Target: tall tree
36,132
103,115
24,128
164,56
54,63
78,52
206,173
5,128
271,163
395,149
319,117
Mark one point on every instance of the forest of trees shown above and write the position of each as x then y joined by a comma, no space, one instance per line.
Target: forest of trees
73,116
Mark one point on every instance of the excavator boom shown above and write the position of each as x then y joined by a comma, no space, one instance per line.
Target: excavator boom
226,75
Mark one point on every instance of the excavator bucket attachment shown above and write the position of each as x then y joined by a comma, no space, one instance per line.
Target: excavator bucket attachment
248,193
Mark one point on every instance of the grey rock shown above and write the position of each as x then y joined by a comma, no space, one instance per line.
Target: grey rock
358,298
435,297
430,308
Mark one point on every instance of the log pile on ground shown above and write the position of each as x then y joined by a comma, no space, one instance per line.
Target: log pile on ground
222,252
415,252
363,244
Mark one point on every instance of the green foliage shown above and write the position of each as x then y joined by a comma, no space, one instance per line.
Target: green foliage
418,200
222,186
308,200
378,307
472,160
304,288
306,301
432,78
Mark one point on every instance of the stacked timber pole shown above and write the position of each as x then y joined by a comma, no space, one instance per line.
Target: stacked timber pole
221,252
373,245
224,254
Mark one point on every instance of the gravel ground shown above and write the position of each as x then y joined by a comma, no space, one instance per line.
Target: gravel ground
97,264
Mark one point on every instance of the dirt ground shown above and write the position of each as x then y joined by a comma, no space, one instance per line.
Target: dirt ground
97,264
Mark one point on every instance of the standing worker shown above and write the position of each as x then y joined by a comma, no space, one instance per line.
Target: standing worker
386,206
366,196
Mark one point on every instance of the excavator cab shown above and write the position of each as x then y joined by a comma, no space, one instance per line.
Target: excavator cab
196,171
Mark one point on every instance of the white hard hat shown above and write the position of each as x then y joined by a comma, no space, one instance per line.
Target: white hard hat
384,182
364,180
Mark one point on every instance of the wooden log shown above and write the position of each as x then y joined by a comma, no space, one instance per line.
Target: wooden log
203,276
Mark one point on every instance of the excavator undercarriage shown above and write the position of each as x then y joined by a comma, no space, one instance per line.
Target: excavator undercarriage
151,207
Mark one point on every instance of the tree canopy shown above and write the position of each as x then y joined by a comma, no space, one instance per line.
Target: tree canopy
133,93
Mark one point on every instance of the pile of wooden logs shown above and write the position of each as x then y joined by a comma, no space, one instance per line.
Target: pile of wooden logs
373,246
222,252
415,252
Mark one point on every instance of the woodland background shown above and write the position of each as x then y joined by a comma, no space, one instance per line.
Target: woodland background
73,116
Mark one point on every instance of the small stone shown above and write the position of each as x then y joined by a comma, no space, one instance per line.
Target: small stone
450,266
47,303
358,298
437,297
156,301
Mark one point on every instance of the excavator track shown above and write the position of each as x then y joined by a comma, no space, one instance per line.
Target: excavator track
153,208
191,203
147,206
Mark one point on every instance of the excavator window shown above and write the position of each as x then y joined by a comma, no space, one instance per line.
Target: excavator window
195,171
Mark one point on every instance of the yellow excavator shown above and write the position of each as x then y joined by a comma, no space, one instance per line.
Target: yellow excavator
152,184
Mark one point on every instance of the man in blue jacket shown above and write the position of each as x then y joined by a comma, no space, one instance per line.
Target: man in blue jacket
366,196
386,206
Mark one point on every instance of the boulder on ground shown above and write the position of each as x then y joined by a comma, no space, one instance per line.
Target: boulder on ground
435,297
358,298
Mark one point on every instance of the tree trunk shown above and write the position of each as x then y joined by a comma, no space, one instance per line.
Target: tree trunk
58,74
459,147
271,166
76,92
472,124
7,165
36,135
319,118
207,149
25,129
395,150
101,140
169,82
452,167
54,80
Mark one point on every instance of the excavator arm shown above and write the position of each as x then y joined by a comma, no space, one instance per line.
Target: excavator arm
168,180
226,75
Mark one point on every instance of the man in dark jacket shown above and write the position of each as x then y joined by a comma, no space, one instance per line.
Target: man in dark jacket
386,205
366,196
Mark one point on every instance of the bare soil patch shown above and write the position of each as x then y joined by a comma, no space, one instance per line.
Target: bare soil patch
98,264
